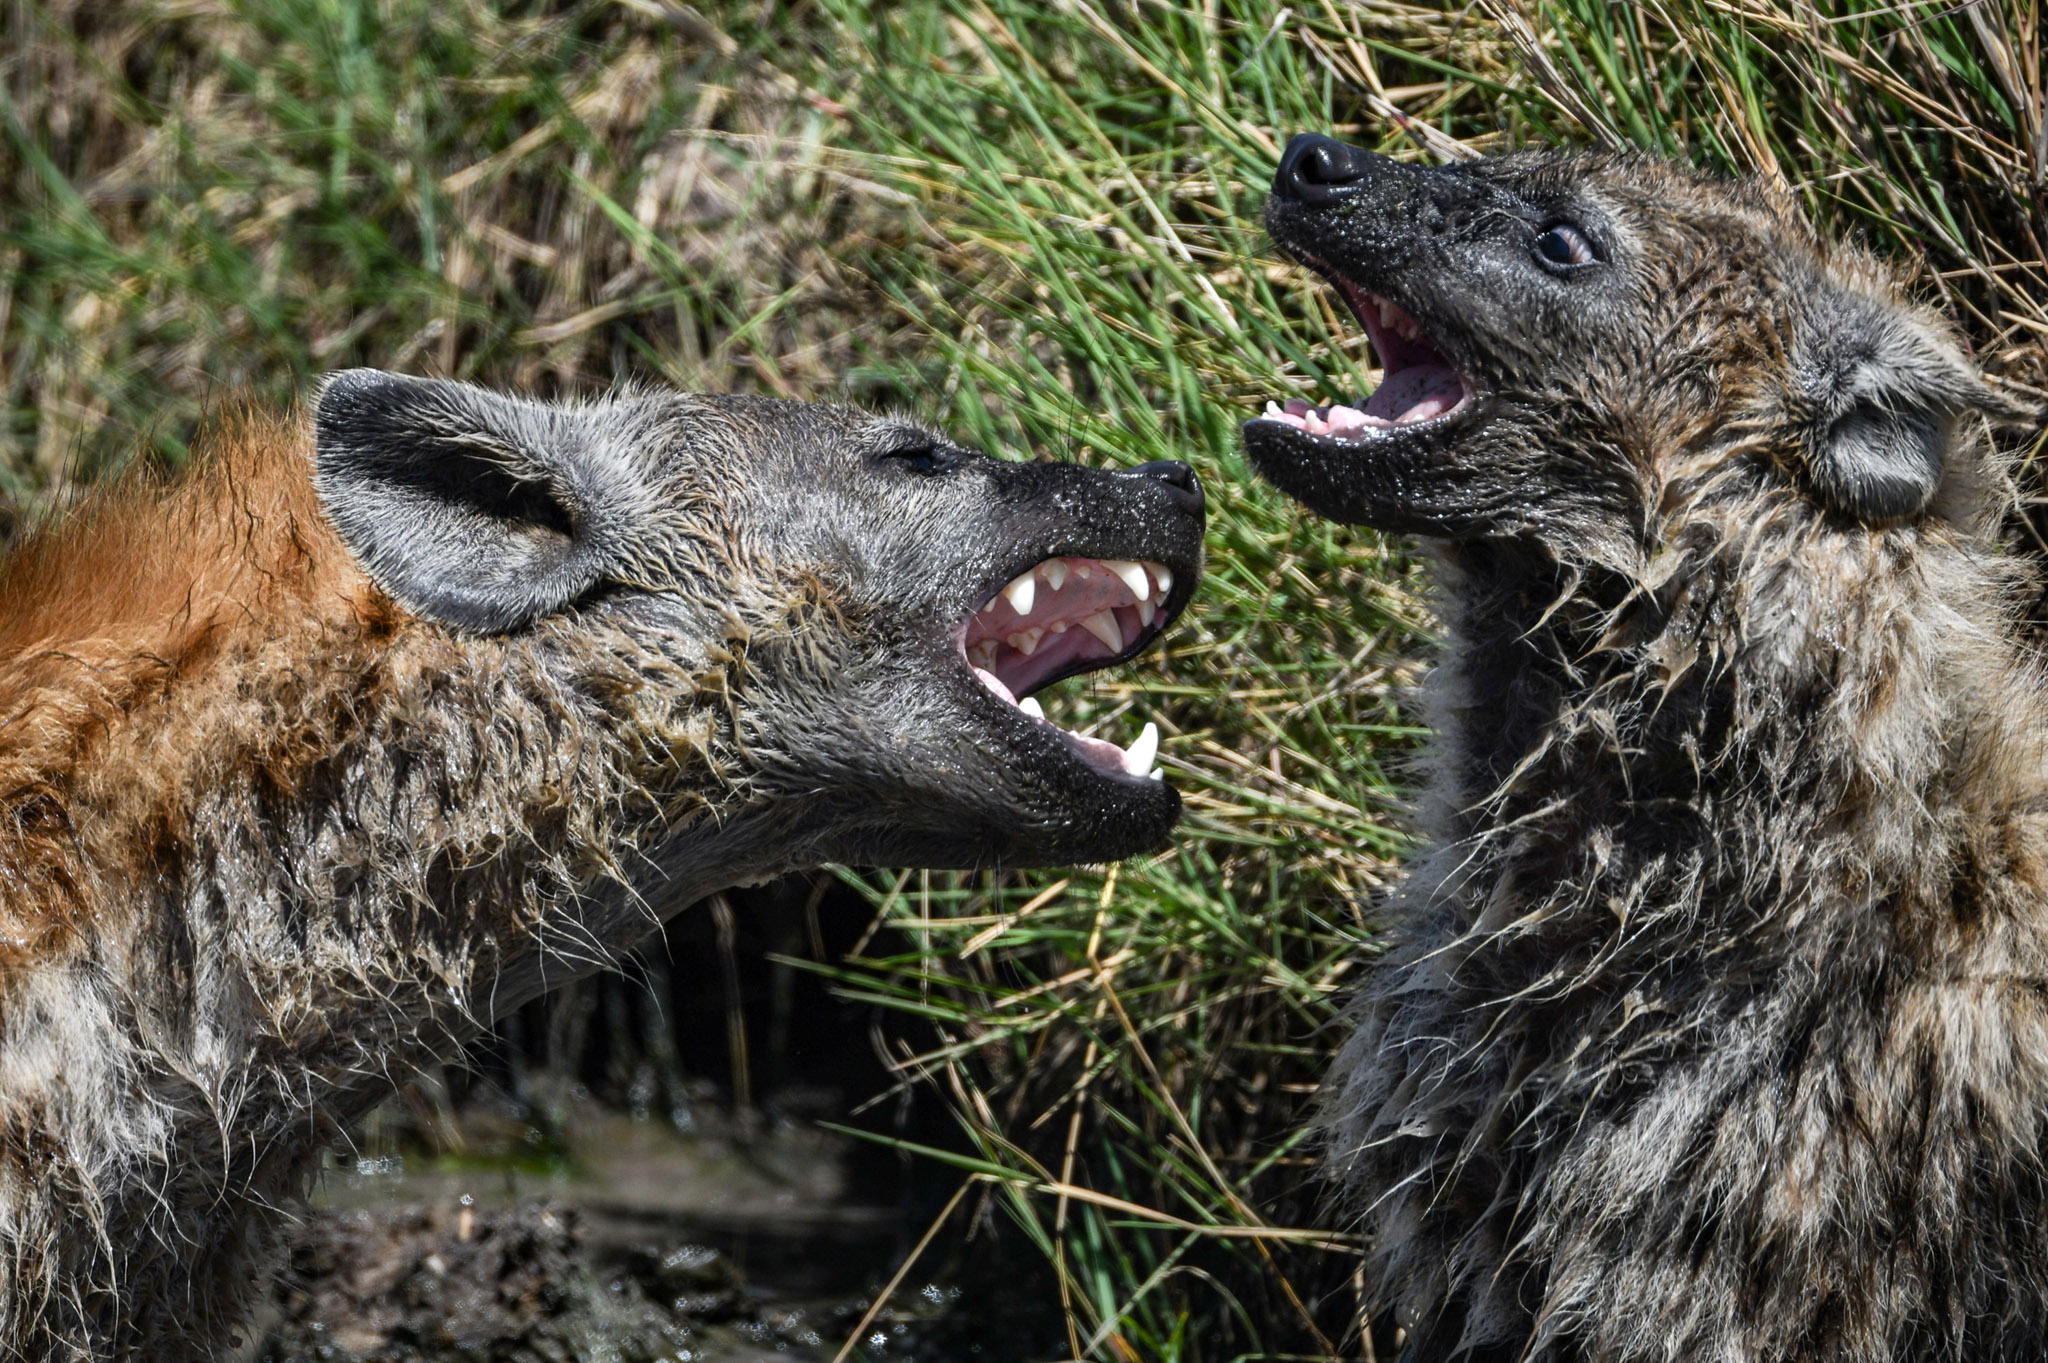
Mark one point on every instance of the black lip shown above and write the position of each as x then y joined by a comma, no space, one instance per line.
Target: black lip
1104,815
1408,481
1373,439
1052,739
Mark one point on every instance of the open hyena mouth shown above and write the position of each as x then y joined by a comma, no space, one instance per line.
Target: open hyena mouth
1420,387
1066,615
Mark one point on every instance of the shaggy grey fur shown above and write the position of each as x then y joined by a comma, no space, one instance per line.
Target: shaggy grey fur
1715,1026
269,841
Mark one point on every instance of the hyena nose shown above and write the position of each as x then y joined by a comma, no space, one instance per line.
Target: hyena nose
1316,169
1177,476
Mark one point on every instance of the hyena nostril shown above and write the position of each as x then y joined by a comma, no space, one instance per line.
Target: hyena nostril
1316,169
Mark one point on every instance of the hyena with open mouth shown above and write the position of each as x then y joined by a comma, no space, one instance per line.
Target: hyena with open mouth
373,728
1716,1023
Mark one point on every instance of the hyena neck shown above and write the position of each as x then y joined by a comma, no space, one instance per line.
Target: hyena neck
260,864
1689,753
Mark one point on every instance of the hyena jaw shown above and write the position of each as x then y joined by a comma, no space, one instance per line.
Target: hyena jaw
374,727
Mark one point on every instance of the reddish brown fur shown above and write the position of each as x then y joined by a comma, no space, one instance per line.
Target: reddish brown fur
187,992
145,584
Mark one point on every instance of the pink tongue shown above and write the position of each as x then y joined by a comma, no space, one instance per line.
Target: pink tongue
1416,393
1105,755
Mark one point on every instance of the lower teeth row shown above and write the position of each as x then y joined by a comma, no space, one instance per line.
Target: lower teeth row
1102,625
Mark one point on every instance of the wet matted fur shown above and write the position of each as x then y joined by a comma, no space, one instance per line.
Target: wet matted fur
1716,1023
316,761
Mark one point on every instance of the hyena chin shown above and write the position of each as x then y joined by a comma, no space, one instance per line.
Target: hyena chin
1715,1025
376,725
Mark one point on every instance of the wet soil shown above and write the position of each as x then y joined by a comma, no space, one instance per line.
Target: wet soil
634,1242
632,1169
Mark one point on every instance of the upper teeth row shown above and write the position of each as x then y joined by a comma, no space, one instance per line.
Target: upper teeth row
1138,579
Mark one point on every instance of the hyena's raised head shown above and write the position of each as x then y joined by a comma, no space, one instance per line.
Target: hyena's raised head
870,599
1580,348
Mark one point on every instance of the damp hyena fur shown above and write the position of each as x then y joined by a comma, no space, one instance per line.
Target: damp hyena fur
1715,1020
379,723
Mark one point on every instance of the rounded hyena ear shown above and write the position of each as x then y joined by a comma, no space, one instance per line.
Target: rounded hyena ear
478,510
1879,402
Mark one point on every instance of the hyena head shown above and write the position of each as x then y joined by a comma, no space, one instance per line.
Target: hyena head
847,583
1579,349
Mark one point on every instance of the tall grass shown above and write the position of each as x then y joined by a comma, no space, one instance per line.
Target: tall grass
1036,222
1129,1052
207,200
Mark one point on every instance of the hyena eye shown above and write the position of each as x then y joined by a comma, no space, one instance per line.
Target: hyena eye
1565,245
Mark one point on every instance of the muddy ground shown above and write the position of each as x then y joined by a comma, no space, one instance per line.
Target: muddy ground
640,1243
634,1170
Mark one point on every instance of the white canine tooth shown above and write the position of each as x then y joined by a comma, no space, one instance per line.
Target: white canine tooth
1054,571
1021,593
1165,576
1030,706
1138,757
1103,626
1133,576
1146,611
1026,641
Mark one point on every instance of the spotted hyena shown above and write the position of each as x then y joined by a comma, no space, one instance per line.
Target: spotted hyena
379,723
1716,1027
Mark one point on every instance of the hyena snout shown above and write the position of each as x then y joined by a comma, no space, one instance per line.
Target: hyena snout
1180,478
967,585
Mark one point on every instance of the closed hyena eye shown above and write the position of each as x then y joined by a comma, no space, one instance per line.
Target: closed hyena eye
1565,245
919,455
